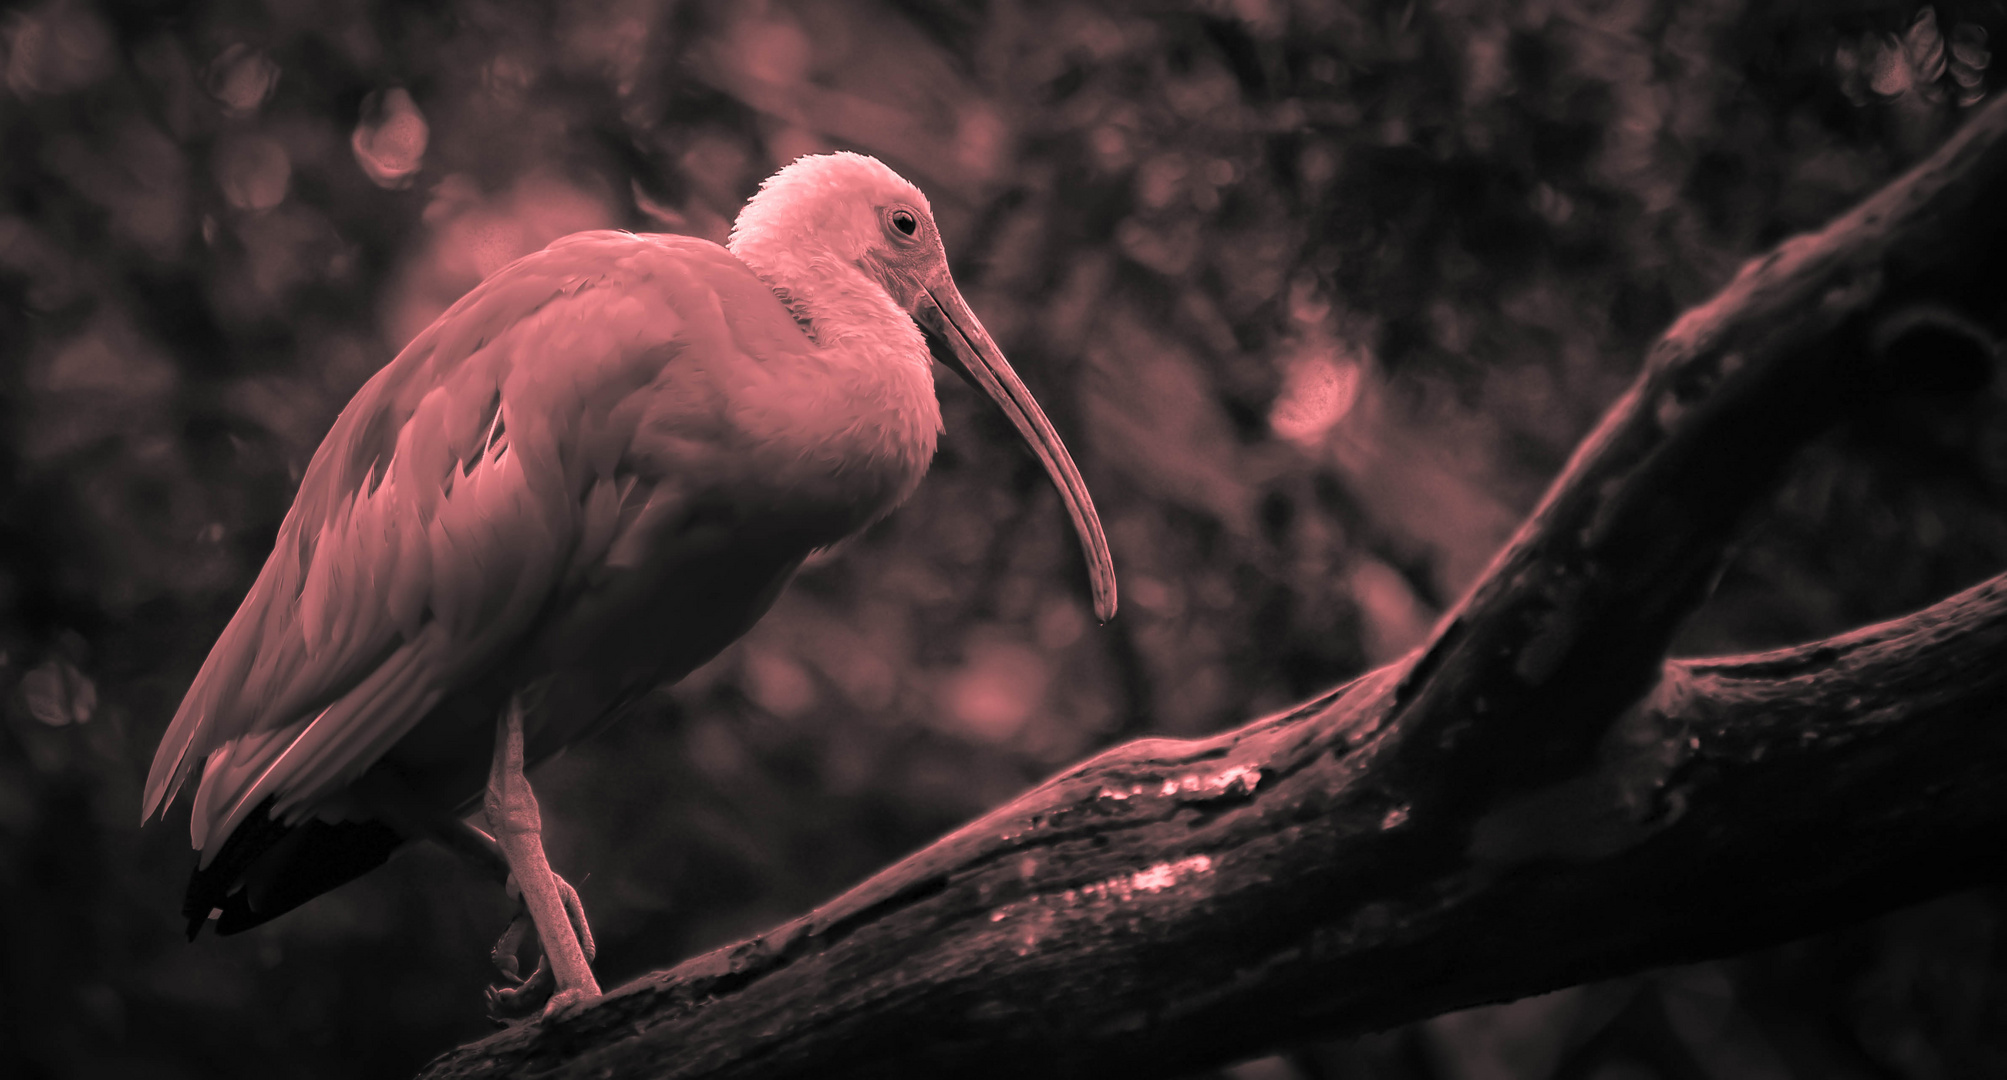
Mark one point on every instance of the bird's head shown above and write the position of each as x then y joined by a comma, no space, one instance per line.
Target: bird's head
829,214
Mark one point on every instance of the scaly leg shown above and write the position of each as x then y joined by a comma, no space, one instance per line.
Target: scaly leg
519,995
386,797
549,901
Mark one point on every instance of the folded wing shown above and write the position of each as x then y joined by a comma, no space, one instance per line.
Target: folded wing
457,494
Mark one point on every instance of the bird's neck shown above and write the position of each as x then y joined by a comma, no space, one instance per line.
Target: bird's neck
873,409
831,298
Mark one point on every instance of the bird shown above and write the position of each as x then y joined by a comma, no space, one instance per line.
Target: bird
586,478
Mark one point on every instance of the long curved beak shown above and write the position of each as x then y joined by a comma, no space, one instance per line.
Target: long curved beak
958,340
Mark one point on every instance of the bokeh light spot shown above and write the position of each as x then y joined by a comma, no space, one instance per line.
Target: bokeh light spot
1317,393
996,691
390,138
777,683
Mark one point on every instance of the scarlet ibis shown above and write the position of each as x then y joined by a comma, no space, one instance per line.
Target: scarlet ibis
586,478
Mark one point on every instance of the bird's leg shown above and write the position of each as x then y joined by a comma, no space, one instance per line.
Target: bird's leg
552,905
486,851
518,996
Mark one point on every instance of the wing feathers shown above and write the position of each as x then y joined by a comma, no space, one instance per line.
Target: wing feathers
404,587
488,465
498,553
304,762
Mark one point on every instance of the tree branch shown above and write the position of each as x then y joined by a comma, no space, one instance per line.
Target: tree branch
1535,799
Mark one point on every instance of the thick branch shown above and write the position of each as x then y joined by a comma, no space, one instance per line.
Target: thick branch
1535,799
1173,903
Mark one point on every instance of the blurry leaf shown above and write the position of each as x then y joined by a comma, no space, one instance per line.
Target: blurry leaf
1163,599
1888,69
1154,413
473,234
1847,61
390,138
1161,180
1968,46
50,272
1395,619
254,173
1168,249
772,49
284,250
671,219
293,409
1423,476
607,40
1924,47
1701,1007
1969,57
58,694
105,360
137,176
1273,1067
106,383
981,139
717,166
57,48
777,683
1520,1040
1060,624
242,78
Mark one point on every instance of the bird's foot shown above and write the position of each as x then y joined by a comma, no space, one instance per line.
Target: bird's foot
516,997
550,905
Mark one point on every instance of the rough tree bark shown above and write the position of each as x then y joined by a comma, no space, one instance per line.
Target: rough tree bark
1534,799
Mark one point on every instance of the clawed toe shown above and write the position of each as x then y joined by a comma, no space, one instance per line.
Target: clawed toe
510,1004
565,1001
515,997
576,911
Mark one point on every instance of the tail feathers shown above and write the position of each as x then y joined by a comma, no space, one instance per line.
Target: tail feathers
268,868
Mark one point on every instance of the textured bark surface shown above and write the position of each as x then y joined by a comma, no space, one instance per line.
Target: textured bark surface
1534,799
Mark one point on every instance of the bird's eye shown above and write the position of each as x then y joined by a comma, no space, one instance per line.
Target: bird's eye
905,222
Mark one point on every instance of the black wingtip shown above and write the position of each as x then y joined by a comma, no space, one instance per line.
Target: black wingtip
267,868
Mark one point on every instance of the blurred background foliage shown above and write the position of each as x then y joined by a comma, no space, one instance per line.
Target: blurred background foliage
1322,294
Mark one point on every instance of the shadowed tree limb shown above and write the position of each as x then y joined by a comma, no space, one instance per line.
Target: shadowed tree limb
1534,799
